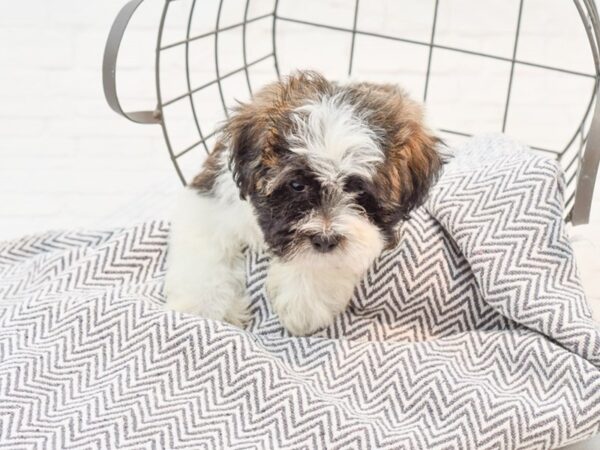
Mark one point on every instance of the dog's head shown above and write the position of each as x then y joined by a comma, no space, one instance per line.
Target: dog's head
330,168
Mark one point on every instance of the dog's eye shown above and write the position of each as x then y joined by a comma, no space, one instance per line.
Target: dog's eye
355,186
358,193
297,186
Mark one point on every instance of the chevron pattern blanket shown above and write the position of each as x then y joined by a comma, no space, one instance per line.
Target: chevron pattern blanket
473,333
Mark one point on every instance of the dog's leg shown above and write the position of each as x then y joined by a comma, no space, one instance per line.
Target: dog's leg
308,296
205,265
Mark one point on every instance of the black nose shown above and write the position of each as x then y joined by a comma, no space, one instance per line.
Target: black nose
324,242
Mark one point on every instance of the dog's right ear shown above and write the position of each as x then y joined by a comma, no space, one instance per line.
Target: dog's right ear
255,132
245,140
255,142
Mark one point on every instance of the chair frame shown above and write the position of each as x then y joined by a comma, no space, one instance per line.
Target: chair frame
578,205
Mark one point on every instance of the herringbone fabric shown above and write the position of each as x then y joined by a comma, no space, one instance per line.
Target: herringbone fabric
472,334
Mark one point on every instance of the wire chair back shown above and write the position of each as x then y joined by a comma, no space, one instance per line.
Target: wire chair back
501,72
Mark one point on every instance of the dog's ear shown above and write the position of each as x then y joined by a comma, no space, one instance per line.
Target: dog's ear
245,137
255,132
412,164
418,164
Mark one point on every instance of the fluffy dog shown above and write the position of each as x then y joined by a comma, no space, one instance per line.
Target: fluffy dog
317,172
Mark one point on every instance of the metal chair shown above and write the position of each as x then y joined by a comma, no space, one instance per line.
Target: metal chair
579,155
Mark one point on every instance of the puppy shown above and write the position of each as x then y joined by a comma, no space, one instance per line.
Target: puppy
317,172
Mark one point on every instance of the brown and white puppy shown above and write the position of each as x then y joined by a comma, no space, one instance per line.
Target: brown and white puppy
318,172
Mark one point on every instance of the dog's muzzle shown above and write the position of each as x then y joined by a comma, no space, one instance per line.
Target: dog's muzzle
324,243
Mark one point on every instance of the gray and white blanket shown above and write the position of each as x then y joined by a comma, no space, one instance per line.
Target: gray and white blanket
473,333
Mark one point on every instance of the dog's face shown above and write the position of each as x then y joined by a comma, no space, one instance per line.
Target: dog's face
330,169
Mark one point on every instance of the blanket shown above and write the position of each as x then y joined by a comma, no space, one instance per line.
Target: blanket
473,333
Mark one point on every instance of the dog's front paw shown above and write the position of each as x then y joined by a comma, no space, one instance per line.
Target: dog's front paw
305,305
238,313
299,318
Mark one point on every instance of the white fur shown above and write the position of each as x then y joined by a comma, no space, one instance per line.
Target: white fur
310,289
335,138
205,273
206,268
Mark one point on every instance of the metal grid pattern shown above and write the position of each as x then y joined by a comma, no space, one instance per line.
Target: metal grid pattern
570,155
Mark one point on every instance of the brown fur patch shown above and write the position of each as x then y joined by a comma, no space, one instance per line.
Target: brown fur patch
256,132
255,136
205,180
411,160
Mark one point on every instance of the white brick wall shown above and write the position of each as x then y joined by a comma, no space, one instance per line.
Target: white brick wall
66,160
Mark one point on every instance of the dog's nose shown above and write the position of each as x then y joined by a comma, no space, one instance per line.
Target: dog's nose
324,242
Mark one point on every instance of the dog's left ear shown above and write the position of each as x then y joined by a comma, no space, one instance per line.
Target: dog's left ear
412,166
419,166
412,162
